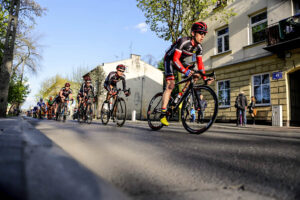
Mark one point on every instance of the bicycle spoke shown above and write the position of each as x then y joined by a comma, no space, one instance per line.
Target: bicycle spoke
197,116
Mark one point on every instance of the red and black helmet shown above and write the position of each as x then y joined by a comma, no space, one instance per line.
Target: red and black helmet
67,85
121,67
199,27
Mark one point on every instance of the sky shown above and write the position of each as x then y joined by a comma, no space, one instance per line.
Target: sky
77,33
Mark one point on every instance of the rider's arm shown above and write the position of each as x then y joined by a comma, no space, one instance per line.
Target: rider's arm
124,83
178,64
201,65
60,93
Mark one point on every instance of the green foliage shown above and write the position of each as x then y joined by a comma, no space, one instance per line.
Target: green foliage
18,90
171,19
51,87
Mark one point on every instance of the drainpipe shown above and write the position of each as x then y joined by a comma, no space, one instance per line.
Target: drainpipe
142,98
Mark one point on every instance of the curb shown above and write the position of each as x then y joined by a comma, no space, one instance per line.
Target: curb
50,173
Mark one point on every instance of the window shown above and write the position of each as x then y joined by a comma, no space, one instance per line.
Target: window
223,40
296,6
261,89
258,24
224,93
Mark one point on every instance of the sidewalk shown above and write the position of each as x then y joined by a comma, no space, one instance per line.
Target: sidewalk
233,126
33,167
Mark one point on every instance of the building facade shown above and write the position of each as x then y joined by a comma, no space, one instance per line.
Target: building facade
257,52
143,79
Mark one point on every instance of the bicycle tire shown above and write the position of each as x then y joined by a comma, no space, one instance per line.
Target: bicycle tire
155,108
213,109
105,113
89,116
120,116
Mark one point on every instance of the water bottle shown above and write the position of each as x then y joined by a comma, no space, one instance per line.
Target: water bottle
178,97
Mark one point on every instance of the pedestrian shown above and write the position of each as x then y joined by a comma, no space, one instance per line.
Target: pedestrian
241,107
201,109
193,113
252,109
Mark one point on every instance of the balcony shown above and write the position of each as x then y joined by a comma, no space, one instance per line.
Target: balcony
284,35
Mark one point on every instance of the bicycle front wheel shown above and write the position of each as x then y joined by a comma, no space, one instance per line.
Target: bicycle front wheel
199,113
105,113
120,112
154,112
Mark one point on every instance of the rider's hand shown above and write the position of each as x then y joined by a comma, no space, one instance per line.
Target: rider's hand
126,93
208,81
189,73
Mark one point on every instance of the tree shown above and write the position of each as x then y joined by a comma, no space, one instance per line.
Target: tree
171,19
51,86
18,91
28,10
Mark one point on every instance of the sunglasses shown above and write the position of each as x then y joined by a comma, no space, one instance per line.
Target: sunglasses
202,33
121,71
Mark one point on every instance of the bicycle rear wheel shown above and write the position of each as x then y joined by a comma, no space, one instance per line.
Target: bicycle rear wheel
154,111
120,113
89,114
105,113
201,119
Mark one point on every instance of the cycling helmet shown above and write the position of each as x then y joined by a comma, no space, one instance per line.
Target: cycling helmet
121,67
67,85
199,27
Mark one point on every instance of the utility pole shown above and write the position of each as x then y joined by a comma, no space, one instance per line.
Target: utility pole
6,65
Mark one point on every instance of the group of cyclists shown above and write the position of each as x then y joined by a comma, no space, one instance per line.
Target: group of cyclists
185,48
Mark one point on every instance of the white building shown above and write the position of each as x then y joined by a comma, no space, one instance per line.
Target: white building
143,79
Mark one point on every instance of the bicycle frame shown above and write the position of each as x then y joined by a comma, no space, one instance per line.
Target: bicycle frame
187,91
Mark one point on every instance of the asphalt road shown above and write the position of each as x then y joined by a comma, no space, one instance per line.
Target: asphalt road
223,163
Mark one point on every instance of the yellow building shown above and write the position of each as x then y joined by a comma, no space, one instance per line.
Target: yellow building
257,52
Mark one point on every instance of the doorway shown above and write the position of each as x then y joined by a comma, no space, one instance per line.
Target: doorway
295,98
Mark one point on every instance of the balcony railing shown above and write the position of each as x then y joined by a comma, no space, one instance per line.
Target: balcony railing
283,32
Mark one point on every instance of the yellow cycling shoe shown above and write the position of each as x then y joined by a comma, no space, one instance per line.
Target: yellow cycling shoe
164,121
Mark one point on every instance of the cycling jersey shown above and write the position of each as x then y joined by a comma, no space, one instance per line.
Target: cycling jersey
84,89
50,103
65,92
181,54
41,104
112,79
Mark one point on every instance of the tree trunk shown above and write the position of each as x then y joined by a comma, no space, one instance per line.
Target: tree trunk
6,65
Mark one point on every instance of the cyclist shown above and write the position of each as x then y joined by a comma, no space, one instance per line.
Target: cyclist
184,49
50,104
64,95
111,80
86,91
41,106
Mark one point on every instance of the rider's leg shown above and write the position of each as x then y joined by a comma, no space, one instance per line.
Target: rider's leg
165,100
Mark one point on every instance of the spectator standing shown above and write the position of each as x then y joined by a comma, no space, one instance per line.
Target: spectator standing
241,107
252,109
201,109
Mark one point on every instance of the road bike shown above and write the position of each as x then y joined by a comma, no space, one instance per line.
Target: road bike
114,108
195,122
62,111
85,112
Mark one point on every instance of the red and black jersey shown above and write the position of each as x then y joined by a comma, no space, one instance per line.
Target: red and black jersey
183,52
112,79
84,89
65,92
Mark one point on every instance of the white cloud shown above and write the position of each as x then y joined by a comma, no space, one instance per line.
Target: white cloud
142,27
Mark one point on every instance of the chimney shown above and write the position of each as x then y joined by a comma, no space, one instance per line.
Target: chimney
135,57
